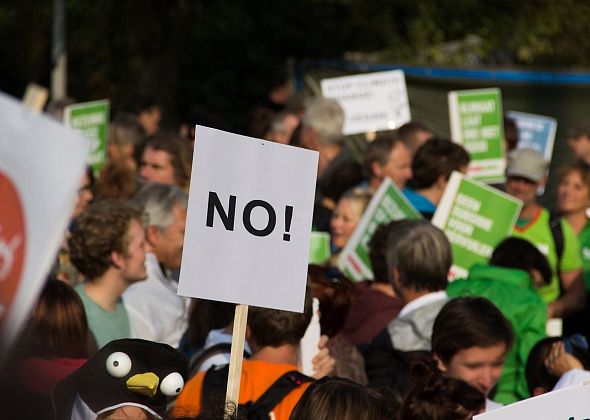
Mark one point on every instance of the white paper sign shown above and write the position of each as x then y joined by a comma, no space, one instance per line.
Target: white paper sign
565,404
249,221
41,164
309,344
371,102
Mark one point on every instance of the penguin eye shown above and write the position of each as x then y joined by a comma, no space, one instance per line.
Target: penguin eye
118,364
172,384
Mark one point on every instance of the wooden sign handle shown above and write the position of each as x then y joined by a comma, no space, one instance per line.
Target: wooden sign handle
237,355
35,97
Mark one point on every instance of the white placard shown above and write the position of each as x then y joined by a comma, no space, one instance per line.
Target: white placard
249,220
41,164
309,344
565,404
371,102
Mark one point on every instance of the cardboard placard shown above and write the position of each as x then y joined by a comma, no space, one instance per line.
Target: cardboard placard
564,404
249,220
91,119
387,204
309,344
475,218
477,123
372,101
41,164
319,248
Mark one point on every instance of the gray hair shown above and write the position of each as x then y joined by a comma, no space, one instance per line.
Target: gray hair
277,125
125,129
158,200
326,117
421,253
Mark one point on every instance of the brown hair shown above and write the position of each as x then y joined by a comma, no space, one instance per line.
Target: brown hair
378,150
579,167
274,328
378,252
180,153
510,133
336,293
466,322
339,398
434,158
98,231
116,180
58,326
442,399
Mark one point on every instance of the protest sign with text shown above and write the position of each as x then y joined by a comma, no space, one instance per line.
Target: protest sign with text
371,102
475,218
535,132
477,123
387,204
41,164
249,219
565,404
91,119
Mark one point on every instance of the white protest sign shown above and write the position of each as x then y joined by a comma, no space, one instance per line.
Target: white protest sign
41,164
565,404
249,221
309,344
371,102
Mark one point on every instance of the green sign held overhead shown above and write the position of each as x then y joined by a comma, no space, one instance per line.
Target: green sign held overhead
319,248
387,204
477,123
475,218
91,119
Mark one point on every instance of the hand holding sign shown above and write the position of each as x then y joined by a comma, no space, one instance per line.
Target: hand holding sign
248,228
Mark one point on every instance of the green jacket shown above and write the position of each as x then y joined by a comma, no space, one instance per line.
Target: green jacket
512,292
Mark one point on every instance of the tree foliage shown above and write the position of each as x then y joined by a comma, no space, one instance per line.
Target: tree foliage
217,58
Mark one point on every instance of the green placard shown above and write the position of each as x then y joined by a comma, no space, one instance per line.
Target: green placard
475,218
91,119
319,248
387,204
477,123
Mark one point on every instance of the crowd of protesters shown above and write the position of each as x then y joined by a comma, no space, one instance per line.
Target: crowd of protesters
110,338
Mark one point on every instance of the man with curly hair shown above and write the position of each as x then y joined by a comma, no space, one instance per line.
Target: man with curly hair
108,247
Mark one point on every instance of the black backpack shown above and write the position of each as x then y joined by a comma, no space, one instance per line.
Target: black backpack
215,383
202,355
558,240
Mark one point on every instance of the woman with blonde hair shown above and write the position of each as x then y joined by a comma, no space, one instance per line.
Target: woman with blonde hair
346,216
573,204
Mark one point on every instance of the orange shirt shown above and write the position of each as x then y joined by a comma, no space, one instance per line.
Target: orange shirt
257,377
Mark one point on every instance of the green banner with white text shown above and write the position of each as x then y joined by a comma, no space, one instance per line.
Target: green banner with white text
388,203
475,218
91,119
477,123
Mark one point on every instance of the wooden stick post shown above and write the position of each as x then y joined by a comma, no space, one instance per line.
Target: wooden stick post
237,355
35,97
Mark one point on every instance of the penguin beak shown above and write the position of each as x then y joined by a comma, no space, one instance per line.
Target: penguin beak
144,384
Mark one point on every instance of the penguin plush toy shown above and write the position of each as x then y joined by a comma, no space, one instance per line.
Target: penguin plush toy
128,372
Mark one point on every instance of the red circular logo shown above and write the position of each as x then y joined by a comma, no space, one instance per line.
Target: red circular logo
12,244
